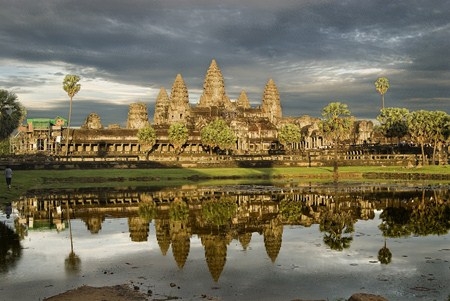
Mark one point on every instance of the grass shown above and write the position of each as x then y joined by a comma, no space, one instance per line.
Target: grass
25,180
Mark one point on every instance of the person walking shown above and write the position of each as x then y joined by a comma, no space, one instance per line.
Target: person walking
8,176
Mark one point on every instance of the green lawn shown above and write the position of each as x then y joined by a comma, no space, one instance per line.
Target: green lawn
25,180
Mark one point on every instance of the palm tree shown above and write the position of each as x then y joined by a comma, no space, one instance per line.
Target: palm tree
384,254
11,113
335,125
382,85
73,261
72,87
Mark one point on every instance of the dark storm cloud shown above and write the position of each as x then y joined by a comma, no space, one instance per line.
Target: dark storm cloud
110,113
316,51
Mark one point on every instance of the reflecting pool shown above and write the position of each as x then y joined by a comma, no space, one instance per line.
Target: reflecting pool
231,242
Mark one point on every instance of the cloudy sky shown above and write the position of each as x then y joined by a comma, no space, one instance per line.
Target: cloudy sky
316,51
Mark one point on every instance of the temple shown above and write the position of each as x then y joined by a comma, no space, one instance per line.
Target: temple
255,127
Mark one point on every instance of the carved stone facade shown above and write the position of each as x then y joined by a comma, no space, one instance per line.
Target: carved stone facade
179,109
242,101
256,127
137,116
161,107
214,102
214,89
93,122
271,106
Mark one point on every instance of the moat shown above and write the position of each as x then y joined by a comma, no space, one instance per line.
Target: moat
237,241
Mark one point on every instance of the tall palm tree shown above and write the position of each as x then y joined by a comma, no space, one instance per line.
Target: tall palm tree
384,254
382,85
72,87
11,113
335,125
73,261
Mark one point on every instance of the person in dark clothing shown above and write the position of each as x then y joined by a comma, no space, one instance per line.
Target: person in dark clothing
8,176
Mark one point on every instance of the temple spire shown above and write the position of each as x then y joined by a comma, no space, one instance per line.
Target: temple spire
243,101
214,89
179,108
161,107
271,106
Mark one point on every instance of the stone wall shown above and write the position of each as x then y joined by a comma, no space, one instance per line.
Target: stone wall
203,161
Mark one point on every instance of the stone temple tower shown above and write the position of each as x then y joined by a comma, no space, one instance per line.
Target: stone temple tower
271,106
214,89
243,101
161,107
179,109
137,116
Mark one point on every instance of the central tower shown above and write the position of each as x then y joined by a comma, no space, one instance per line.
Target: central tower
214,89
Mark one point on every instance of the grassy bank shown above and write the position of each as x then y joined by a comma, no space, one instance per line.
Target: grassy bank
25,180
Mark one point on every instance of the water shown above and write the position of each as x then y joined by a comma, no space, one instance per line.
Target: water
232,243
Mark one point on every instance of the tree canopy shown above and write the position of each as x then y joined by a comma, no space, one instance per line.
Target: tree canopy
178,135
335,126
11,113
290,133
394,122
72,87
438,132
147,136
382,85
218,134
336,122
338,228
420,128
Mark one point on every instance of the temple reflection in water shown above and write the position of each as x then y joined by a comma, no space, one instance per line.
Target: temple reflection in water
219,215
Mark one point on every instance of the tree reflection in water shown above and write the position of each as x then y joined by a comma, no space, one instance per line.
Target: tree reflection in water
73,262
220,215
424,216
10,248
338,227
384,254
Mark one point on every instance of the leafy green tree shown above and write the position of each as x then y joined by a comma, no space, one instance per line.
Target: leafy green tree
72,87
218,134
394,122
178,135
446,131
147,136
382,85
439,120
4,147
420,129
335,126
11,113
290,133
